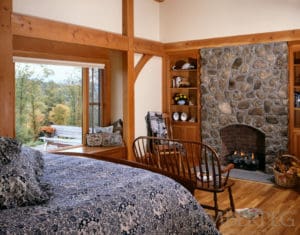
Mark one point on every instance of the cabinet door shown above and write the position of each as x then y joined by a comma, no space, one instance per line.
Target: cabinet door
186,132
295,149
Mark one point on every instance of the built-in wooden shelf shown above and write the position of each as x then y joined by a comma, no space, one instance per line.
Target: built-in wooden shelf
294,85
190,87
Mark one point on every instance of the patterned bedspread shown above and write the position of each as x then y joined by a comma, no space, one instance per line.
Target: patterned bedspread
97,197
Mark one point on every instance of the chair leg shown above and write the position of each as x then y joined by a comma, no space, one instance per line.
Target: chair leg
216,205
231,200
217,215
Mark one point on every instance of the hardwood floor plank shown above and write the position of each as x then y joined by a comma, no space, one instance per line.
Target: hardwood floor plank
280,206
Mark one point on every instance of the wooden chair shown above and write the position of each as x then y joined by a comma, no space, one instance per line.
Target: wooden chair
159,125
210,176
194,161
165,156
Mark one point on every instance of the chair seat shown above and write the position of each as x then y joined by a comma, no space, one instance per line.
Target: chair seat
209,186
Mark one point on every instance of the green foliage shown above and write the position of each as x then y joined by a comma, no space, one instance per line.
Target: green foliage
60,114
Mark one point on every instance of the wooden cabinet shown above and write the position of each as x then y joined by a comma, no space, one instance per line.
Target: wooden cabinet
294,87
183,94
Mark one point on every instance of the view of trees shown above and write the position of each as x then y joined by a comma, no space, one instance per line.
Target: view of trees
41,101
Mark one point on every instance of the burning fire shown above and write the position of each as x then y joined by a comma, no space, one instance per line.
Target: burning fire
244,160
243,154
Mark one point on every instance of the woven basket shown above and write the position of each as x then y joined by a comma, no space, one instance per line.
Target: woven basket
284,179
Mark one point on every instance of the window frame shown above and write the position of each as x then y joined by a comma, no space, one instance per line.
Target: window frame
105,105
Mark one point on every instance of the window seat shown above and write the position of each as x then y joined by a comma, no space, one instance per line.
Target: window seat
94,152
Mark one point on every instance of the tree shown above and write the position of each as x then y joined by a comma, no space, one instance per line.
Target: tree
73,89
53,95
29,100
35,107
60,114
23,74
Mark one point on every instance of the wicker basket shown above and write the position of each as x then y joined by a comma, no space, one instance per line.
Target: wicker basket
284,179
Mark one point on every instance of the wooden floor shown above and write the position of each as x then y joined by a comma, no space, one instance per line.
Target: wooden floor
281,209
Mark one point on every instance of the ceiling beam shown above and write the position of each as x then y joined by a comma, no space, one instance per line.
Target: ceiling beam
145,46
35,27
287,35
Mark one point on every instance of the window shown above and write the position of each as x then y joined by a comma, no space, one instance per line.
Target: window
50,94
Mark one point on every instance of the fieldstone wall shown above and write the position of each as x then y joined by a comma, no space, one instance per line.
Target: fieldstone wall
246,85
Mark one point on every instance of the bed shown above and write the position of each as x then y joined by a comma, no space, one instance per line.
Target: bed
88,196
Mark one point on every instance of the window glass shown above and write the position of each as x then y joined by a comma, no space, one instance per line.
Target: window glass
95,98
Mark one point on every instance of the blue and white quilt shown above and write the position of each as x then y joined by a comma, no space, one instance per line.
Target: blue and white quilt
97,197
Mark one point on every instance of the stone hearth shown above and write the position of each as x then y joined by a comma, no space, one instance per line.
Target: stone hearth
246,85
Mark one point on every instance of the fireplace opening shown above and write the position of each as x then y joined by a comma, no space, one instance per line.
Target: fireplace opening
244,146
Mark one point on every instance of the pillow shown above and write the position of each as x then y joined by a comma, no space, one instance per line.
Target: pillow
118,126
94,139
104,139
9,150
20,180
111,139
104,129
100,129
35,159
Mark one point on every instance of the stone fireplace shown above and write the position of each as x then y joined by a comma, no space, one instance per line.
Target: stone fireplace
246,87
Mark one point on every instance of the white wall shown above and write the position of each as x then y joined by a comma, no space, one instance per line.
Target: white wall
116,85
103,14
201,19
148,92
99,14
148,86
146,19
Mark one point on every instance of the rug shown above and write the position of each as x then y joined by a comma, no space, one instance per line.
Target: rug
249,213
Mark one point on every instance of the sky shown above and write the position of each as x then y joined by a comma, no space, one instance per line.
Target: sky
60,72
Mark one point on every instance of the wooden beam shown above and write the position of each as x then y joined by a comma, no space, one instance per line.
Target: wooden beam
46,49
145,46
287,35
106,96
7,78
140,65
128,84
35,27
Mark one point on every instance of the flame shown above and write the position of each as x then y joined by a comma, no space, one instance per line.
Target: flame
252,156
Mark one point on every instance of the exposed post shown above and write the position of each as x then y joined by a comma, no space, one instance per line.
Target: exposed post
7,81
128,84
